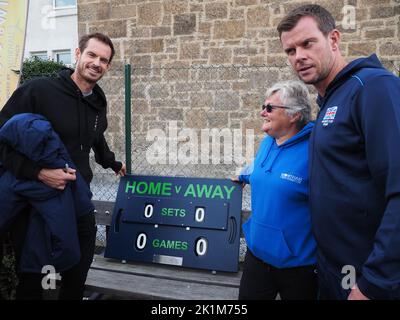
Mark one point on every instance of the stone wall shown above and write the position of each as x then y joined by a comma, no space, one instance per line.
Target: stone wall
153,33
171,45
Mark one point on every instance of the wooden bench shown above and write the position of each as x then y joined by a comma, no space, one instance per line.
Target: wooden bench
156,281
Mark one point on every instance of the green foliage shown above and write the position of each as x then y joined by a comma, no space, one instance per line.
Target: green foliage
8,277
35,67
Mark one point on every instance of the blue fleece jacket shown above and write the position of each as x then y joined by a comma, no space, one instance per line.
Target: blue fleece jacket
279,229
355,177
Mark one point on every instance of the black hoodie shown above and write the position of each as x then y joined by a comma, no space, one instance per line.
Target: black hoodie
79,121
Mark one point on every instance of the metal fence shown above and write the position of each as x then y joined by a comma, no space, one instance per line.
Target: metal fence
171,110
193,121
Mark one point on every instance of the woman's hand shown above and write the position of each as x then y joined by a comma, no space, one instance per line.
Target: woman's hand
236,180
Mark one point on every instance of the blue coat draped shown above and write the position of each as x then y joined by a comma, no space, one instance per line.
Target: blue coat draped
52,232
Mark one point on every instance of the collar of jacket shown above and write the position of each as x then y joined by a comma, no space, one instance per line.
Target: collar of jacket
65,75
72,88
368,62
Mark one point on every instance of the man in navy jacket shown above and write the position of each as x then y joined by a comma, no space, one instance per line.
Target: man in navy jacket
354,160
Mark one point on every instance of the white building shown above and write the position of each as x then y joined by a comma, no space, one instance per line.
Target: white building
52,30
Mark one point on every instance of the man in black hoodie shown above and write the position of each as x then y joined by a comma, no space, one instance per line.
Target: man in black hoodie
76,108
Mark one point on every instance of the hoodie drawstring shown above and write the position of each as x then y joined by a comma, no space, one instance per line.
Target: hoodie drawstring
273,161
276,155
81,117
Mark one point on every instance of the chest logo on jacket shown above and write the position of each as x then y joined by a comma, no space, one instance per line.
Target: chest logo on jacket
292,178
329,116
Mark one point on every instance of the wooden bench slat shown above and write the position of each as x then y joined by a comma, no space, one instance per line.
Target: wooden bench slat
151,287
168,272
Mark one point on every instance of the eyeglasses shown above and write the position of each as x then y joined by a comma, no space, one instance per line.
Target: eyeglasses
269,107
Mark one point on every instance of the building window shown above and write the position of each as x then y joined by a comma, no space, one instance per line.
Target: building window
42,55
63,56
64,4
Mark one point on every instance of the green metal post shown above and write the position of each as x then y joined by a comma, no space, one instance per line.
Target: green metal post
128,141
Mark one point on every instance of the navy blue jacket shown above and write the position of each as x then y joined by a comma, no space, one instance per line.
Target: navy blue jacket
52,234
355,177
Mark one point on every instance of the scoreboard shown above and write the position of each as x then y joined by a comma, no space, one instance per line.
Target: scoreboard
190,222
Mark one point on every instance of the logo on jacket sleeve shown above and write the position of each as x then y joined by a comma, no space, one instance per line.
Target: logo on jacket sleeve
329,116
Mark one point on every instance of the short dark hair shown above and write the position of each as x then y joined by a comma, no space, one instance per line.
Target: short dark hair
324,19
83,41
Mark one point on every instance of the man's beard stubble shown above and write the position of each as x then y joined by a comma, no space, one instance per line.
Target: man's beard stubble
80,70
